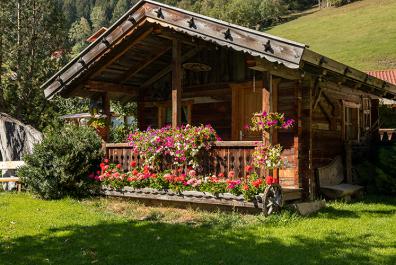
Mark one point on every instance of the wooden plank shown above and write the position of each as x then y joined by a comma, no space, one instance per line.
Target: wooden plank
168,69
103,87
9,180
176,83
139,67
4,165
122,52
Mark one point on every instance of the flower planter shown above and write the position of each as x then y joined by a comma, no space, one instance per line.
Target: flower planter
195,197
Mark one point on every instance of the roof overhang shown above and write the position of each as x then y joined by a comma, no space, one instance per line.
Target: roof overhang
291,54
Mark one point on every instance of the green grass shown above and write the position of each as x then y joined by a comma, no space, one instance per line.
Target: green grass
100,231
361,34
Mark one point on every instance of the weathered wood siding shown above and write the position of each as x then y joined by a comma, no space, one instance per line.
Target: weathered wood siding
288,104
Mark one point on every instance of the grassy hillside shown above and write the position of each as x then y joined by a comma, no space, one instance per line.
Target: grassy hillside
361,34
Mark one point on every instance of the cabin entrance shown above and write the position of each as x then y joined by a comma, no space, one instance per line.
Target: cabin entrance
246,100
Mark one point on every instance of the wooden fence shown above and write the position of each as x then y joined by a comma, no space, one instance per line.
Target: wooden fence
224,157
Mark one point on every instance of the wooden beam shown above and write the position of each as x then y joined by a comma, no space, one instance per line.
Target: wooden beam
122,52
176,82
137,68
275,69
266,100
107,112
108,87
168,69
318,88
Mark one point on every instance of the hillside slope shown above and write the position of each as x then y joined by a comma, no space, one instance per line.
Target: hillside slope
361,34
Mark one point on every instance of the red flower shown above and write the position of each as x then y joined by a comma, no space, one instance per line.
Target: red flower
248,168
106,161
269,180
221,175
102,165
135,172
119,166
130,179
257,183
245,187
106,167
133,164
231,174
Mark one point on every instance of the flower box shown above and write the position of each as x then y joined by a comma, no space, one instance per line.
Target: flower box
195,197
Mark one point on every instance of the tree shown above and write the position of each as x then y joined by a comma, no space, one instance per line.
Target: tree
78,33
33,30
120,9
98,17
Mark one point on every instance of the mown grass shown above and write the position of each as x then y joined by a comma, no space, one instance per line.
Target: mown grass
103,231
361,34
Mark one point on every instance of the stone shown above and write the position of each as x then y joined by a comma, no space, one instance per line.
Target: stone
307,208
16,140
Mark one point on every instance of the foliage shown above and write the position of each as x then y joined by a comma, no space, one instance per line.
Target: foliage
378,174
387,116
30,31
59,165
180,146
268,157
264,121
97,122
265,155
120,133
178,180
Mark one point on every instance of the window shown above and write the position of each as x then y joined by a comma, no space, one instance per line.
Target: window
351,122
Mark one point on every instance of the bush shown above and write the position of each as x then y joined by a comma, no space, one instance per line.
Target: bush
378,174
59,166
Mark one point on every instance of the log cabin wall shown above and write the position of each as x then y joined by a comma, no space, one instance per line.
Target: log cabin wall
287,103
339,114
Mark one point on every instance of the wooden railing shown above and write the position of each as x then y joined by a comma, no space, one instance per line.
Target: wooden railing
224,157
390,134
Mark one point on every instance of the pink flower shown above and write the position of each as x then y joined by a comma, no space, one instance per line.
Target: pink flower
192,173
231,174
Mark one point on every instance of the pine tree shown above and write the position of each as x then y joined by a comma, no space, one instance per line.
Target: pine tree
37,31
120,9
78,33
98,17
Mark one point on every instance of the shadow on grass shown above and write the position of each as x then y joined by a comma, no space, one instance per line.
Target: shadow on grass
161,243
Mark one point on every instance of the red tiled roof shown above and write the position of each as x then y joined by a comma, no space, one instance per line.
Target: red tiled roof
386,75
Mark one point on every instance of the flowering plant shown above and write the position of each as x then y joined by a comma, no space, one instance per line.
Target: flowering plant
180,147
267,156
178,181
263,121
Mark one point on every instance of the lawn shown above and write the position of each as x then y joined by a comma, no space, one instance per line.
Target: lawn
104,231
361,34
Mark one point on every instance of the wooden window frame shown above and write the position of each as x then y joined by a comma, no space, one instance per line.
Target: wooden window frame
354,106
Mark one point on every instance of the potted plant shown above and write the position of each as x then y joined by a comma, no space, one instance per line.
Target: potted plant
100,126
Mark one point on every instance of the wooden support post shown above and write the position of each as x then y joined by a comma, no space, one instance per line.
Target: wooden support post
176,83
311,177
266,100
107,112
140,110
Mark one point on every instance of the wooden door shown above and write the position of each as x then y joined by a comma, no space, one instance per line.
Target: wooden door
246,100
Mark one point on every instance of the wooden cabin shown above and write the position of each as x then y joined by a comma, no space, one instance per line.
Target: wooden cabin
181,67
